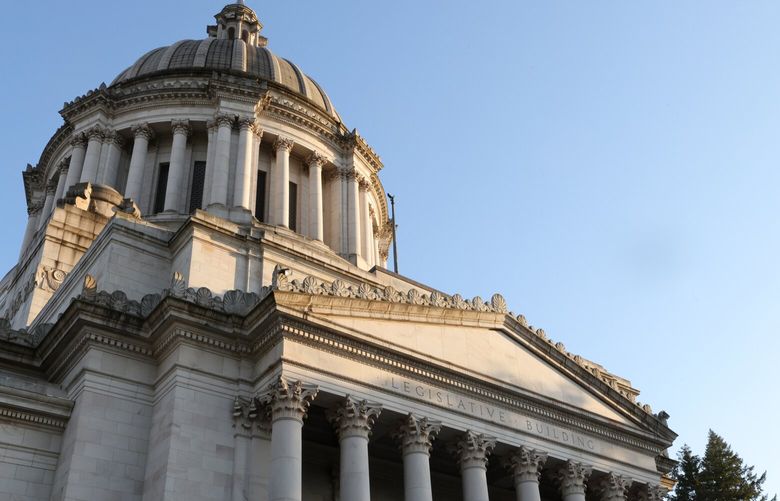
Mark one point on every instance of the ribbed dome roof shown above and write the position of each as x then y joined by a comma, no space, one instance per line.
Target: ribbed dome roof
228,54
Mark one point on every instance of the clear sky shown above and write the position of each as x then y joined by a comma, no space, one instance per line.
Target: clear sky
612,168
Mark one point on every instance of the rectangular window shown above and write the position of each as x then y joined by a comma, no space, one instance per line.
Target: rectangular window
198,180
260,197
162,186
293,206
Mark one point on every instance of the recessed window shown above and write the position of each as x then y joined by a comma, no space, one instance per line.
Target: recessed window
231,33
293,206
260,196
198,181
162,186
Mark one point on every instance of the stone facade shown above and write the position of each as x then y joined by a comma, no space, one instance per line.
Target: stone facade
200,312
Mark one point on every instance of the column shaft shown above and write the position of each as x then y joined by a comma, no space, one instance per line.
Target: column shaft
210,151
92,156
527,490
368,228
33,213
135,175
219,181
177,172
114,143
353,421
243,181
47,205
289,403
316,229
61,183
280,180
240,458
76,161
353,215
416,436
473,451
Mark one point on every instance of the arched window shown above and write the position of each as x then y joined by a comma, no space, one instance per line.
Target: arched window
245,36
231,33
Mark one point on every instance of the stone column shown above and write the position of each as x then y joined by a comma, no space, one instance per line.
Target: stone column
473,450
61,183
92,156
33,214
114,142
221,170
573,478
51,189
177,171
353,421
211,127
650,492
316,208
615,487
526,467
79,145
135,175
416,436
368,229
288,404
280,181
243,182
353,214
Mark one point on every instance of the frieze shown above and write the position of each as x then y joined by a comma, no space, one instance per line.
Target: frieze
520,422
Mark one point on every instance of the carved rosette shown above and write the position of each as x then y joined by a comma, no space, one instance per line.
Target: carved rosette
143,131
615,487
473,450
526,464
288,400
79,141
573,478
181,127
315,160
651,493
417,434
224,120
354,418
283,143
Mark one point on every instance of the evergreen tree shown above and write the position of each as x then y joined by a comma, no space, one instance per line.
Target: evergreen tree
720,475
686,473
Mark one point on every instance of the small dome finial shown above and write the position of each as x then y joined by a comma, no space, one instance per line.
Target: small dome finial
237,21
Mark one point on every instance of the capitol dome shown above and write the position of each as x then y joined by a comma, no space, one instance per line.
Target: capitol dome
229,48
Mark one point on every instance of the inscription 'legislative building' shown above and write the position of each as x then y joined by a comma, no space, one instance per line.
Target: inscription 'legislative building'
201,311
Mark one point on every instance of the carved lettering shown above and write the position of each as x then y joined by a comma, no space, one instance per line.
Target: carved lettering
529,425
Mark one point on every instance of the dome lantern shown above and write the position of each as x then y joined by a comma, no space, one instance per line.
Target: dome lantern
237,21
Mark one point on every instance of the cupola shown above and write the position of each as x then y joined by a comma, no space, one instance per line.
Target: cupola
237,21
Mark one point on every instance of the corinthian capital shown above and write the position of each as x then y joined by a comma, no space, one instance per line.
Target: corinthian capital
283,143
95,132
573,477
62,167
287,400
526,464
181,127
143,130
364,183
224,120
315,159
111,136
354,418
78,141
651,493
417,434
614,487
473,450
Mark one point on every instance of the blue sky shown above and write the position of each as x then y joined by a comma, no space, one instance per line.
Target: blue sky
610,167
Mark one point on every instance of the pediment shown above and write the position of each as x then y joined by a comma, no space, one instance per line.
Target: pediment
482,345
